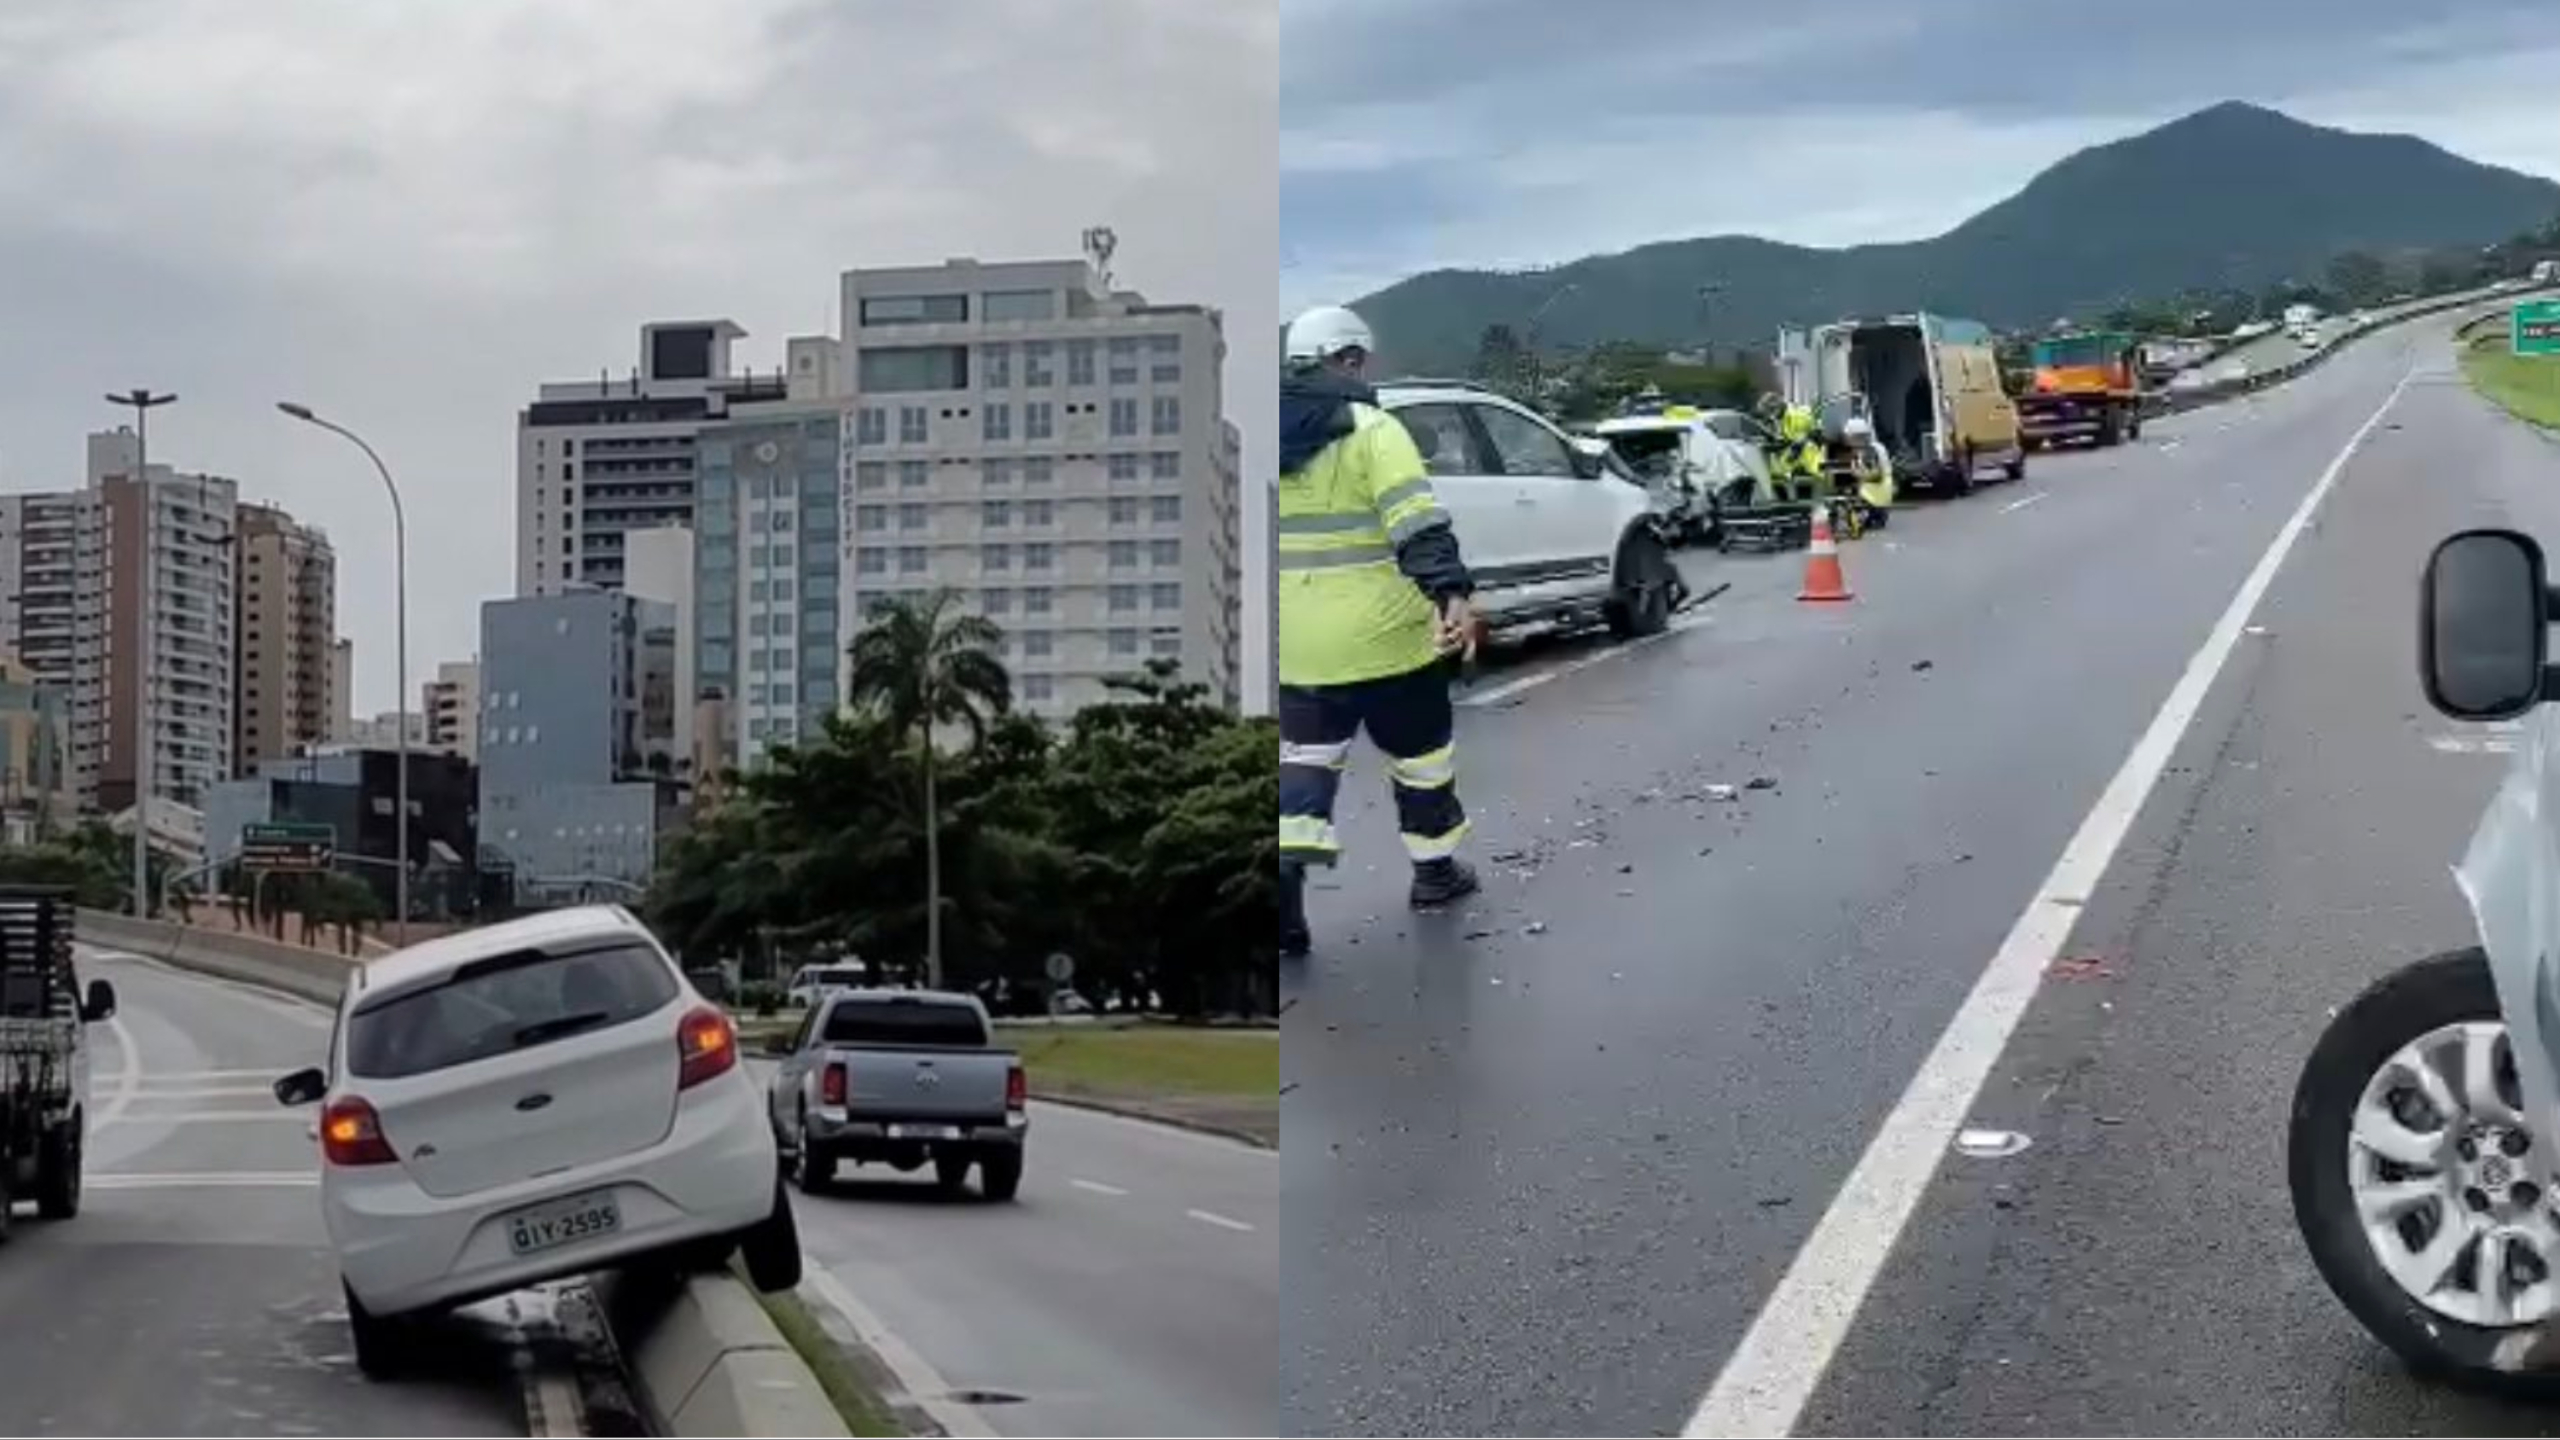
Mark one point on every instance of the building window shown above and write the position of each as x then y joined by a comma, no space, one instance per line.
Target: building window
871,475
1124,509
1037,644
1036,600
782,588
782,694
995,473
995,514
1037,469
905,370
1124,642
996,602
1164,465
911,515
997,420
1124,360
1123,466
1164,552
1079,362
1038,687
1038,371
912,474
755,662
1035,420
915,310
1124,555
1018,305
871,560
1124,599
1164,509
1167,414
1165,644
995,557
1038,556
911,429
1124,416
1165,352
871,427
995,366
759,624
1039,512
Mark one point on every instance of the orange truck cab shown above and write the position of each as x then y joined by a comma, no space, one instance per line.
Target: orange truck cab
2085,387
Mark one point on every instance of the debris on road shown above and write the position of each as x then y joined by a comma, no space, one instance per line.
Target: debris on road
1772,1202
1991,1144
1534,927
1722,792
1920,665
2080,967
1761,782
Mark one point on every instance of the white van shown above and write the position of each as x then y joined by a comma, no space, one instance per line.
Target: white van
1928,384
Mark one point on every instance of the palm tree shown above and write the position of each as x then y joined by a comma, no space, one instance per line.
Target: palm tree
920,666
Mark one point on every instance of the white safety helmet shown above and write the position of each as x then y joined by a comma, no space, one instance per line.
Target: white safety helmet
1324,332
1856,430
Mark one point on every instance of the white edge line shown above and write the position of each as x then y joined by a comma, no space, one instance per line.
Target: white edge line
1212,1217
1765,1383
1097,1187
925,1387
1221,1143
2023,501
128,1076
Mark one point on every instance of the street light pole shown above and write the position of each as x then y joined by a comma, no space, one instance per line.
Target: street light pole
142,402
400,660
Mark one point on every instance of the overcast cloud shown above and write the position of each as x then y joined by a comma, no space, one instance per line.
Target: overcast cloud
408,213
1513,133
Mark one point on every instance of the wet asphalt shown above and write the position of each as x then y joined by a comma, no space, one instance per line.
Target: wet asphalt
1546,1156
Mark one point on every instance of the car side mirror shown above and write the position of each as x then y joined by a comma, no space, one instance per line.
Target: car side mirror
302,1087
1588,464
2484,626
100,1004
778,1043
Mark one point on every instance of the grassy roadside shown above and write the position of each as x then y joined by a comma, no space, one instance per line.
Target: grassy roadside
864,1412
2526,386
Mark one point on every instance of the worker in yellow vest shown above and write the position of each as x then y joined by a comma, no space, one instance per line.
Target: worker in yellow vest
1374,595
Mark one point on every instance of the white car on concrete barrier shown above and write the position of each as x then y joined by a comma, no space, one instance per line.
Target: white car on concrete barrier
530,1101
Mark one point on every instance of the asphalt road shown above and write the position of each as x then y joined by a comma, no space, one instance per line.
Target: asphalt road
1131,1288
194,1294
1547,1157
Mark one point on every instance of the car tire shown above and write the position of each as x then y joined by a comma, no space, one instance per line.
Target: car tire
8,1202
1960,478
951,1172
770,1249
58,1171
1640,603
2403,1006
813,1165
2016,469
383,1342
1000,1173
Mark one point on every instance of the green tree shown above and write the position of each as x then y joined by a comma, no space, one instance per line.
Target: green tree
2358,278
923,667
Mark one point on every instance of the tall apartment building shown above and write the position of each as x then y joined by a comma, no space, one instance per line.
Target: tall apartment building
451,705
190,638
598,459
1053,449
49,544
287,638
767,564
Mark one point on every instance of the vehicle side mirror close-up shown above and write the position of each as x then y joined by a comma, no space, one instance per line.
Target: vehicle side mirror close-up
2484,625
100,1004
1589,464
302,1087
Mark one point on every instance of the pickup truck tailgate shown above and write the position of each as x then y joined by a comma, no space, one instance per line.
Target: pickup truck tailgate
920,1084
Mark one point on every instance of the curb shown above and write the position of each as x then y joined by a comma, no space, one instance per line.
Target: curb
1152,1117
706,1359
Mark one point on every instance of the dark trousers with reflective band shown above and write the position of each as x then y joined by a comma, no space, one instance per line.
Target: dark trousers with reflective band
1409,717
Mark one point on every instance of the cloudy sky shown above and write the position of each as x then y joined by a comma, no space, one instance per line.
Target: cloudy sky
1503,133
408,213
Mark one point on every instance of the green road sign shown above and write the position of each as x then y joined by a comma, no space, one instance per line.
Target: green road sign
292,846
2537,327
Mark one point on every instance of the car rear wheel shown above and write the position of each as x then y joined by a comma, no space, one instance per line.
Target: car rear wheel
58,1171
771,1249
1000,1173
813,1165
382,1341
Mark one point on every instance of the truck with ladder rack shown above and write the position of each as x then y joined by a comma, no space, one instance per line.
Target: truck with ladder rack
44,1052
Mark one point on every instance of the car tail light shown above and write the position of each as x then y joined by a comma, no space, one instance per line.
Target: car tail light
831,1085
706,1045
1017,1088
351,1134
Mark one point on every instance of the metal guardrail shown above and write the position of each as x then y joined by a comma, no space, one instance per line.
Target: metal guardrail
2176,402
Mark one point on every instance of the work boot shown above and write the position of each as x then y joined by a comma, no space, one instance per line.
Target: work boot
1439,882
1294,939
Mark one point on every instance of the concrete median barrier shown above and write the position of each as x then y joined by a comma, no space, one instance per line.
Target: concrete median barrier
708,1360
247,959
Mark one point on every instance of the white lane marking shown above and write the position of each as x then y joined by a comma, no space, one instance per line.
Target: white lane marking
2023,501
1764,1384
2471,745
209,1117
1063,1114
209,1077
202,1180
1495,695
1212,1217
128,1076
1097,1187
154,1087
926,1389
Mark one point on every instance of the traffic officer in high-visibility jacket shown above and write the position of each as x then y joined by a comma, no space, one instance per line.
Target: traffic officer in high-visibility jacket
1801,453
1374,596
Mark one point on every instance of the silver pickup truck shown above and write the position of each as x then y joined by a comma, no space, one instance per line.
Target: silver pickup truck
900,1077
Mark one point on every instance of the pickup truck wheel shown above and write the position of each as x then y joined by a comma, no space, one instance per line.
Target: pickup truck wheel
771,1249
1000,1173
813,1166
8,1198
382,1342
951,1172
58,1171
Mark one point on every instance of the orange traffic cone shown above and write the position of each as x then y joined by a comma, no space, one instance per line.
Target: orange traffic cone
1822,577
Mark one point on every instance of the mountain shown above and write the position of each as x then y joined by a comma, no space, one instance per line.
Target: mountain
2234,196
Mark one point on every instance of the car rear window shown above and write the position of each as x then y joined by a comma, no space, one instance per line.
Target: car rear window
904,1022
504,1004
